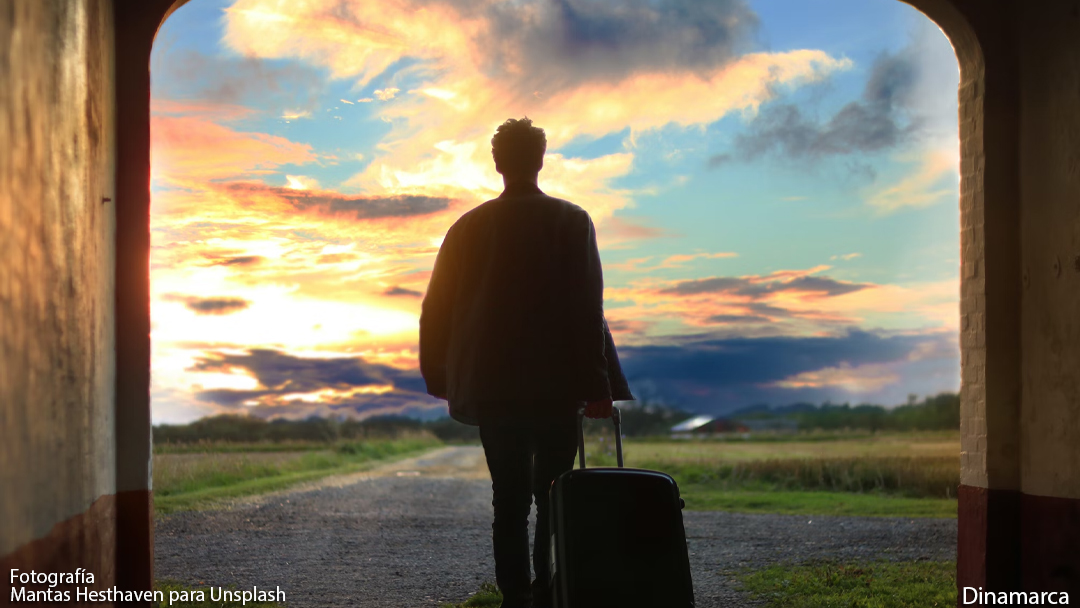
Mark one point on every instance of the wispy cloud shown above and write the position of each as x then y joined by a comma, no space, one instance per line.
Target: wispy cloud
671,261
935,179
240,79
386,94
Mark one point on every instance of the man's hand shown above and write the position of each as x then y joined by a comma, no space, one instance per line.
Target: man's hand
598,409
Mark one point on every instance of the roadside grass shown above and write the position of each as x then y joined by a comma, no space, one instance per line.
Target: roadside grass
824,584
488,596
886,475
859,585
901,476
219,447
167,586
704,498
185,480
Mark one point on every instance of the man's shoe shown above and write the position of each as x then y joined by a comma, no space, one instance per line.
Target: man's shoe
541,595
517,600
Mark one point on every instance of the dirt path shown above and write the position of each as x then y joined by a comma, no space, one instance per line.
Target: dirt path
417,532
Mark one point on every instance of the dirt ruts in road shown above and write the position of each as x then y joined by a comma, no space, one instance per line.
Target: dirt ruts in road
417,532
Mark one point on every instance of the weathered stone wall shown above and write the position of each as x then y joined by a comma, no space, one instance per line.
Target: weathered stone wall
57,164
1050,217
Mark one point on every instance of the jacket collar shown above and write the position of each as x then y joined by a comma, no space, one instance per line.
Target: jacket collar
520,189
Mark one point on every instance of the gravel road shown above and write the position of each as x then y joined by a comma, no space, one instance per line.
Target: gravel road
417,532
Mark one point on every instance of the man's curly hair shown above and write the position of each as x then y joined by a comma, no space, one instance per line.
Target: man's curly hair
518,147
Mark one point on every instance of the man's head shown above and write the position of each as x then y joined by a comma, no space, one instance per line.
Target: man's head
518,148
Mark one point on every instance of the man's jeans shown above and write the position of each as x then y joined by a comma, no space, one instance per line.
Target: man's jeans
526,447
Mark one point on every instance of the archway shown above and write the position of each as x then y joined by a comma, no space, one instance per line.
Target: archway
989,293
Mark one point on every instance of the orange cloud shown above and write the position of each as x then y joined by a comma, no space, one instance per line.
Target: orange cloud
672,261
787,302
198,148
926,185
866,378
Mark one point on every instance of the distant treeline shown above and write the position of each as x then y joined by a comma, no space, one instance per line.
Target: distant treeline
249,429
638,420
939,412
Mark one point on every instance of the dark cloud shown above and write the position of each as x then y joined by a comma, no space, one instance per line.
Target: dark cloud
718,160
747,286
244,260
343,205
209,306
395,403
703,373
236,80
716,375
553,44
281,374
397,290
882,119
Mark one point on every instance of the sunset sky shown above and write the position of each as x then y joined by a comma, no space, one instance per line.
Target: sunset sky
774,185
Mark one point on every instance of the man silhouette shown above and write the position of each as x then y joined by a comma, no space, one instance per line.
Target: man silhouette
513,335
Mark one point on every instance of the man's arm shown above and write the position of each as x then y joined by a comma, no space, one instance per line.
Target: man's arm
435,319
586,296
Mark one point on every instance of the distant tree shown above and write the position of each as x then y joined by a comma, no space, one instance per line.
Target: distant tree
938,412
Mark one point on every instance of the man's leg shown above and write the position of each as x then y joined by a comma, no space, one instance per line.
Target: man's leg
508,449
556,448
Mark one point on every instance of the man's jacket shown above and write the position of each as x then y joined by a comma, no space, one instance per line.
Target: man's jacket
514,309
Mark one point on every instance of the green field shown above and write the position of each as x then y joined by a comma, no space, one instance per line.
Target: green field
192,476
885,474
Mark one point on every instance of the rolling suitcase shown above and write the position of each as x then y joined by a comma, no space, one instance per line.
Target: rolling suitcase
617,537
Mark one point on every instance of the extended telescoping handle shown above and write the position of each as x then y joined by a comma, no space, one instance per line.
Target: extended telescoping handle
616,417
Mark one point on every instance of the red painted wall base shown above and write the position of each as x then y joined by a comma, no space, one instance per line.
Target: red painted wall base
87,541
1009,541
113,539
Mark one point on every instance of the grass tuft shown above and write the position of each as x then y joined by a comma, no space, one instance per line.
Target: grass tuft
857,585
488,596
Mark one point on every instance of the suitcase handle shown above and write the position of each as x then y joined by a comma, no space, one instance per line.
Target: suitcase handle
616,417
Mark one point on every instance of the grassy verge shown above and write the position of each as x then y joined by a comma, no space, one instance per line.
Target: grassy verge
192,480
701,497
220,447
175,592
863,585
487,597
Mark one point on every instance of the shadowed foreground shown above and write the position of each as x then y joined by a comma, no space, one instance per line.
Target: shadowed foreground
418,532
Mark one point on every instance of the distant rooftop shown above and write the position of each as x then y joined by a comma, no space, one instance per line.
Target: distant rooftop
691,424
